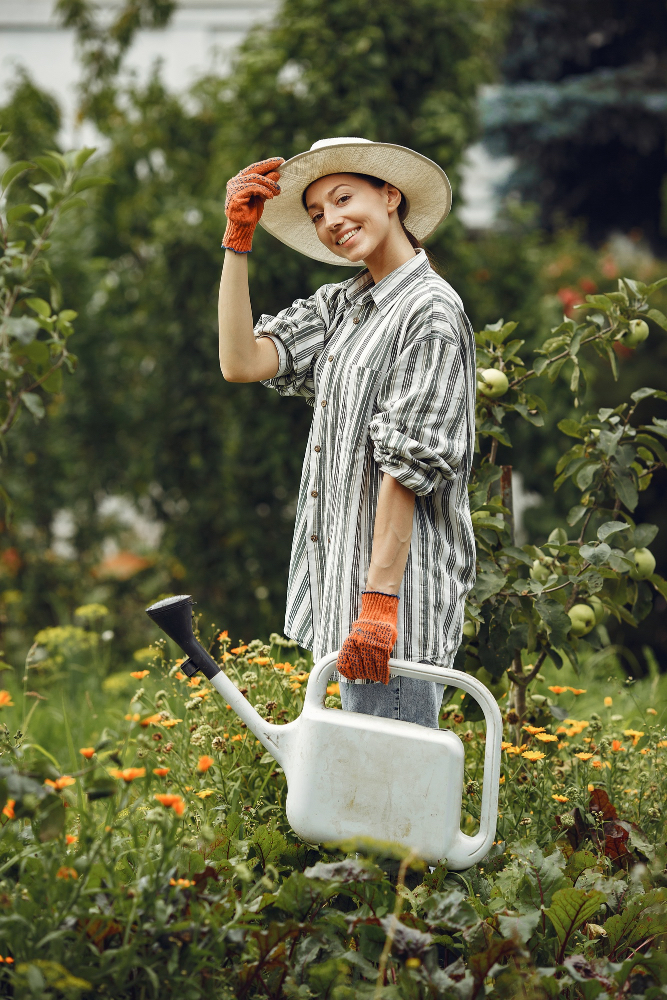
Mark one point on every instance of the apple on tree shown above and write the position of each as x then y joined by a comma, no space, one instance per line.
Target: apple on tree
582,617
644,561
636,333
493,383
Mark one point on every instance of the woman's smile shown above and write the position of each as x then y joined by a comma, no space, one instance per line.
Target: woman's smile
347,236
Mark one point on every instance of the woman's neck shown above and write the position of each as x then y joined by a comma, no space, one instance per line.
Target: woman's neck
391,253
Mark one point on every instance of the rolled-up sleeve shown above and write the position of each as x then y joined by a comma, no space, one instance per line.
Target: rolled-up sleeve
420,431
299,334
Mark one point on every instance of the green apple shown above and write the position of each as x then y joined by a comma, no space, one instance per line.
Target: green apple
469,629
637,333
498,686
582,617
539,572
495,383
595,432
644,561
599,609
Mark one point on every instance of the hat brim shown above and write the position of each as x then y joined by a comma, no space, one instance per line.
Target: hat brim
425,185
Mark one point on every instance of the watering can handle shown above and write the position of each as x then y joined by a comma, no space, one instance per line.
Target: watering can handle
466,850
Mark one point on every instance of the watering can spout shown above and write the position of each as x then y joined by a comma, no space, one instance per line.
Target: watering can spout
174,617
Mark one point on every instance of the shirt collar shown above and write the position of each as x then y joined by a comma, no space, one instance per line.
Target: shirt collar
361,288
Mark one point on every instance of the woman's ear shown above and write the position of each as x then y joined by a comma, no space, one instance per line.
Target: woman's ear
394,197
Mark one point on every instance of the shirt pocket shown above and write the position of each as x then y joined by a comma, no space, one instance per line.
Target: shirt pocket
360,389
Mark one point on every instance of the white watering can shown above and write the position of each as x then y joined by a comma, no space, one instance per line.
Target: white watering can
351,775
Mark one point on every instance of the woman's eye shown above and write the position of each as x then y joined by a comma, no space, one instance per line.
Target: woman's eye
344,198
316,218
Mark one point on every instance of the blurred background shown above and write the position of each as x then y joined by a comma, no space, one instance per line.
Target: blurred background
152,475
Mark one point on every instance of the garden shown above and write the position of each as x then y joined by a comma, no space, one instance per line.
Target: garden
144,847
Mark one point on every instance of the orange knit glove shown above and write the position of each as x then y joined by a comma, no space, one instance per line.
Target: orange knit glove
365,653
244,204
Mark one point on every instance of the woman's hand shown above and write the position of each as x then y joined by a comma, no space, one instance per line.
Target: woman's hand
244,204
366,651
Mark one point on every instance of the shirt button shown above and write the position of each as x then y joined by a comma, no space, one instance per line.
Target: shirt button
313,538
313,493
356,319
317,447
324,402
331,357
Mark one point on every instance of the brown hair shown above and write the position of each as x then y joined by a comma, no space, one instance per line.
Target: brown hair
377,182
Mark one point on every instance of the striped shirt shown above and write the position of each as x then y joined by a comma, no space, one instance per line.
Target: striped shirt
389,369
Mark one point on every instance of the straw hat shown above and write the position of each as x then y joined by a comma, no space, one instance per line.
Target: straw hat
425,185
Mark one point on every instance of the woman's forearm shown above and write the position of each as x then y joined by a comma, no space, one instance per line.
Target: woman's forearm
242,357
391,536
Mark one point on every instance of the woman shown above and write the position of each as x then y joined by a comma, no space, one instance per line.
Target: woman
383,553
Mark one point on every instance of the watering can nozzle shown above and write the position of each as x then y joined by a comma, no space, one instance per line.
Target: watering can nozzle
174,617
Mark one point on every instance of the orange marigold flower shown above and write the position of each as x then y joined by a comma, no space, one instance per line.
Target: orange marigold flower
501,779
505,745
578,690
608,702
128,774
235,739
182,883
224,635
662,743
133,718
180,676
239,650
66,872
8,960
583,756
71,839
562,744
262,661
63,782
646,750
651,711
226,656
533,755
161,771
591,788
194,682
87,752
561,729
636,735
333,689
6,700
170,723
558,690
560,798
533,729
205,792
204,763
8,809
174,802
546,738
597,764
152,720
617,746
139,674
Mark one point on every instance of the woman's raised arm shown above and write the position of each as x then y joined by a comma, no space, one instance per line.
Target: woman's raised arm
242,357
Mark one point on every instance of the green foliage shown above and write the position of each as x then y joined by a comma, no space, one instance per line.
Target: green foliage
157,860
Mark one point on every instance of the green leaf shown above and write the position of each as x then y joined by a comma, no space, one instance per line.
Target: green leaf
599,301
51,816
660,584
39,306
555,368
16,168
557,621
640,394
533,418
514,553
54,382
643,535
625,490
575,514
658,317
540,365
67,315
82,156
569,909
584,476
34,403
73,203
88,182
4,136
19,212
450,909
610,528
597,555
49,165
488,584
572,428
625,925
579,862
268,845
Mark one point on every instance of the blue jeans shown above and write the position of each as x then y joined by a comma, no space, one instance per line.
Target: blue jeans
404,698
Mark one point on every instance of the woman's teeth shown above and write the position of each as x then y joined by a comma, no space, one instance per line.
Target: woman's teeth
348,236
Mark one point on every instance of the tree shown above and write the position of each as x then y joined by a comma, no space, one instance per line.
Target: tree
583,108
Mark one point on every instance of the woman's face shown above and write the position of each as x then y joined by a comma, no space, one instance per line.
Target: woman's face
351,217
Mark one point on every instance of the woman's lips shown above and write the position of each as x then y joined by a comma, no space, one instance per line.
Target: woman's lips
353,233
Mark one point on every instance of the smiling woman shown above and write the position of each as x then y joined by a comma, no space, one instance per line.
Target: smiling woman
383,552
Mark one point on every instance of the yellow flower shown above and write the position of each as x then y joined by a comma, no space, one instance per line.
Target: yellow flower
205,792
170,723
533,729
608,702
161,772
662,743
558,690
333,689
617,746
560,798
152,720
511,749
139,674
133,718
583,756
204,763
8,809
533,755
636,735
235,739
87,752
591,788
262,661
501,780
181,883
563,743
577,691
174,802
239,650
546,738
6,700
651,711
